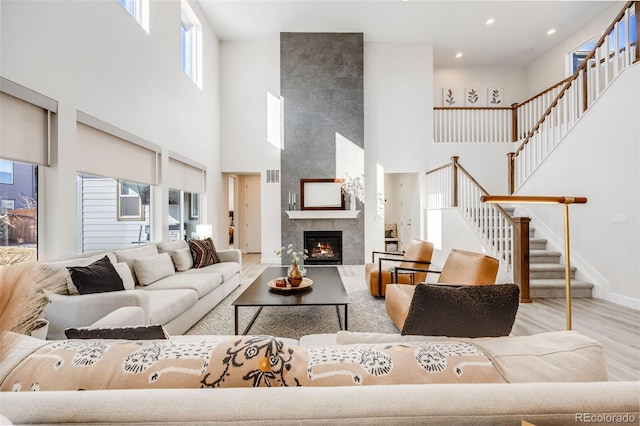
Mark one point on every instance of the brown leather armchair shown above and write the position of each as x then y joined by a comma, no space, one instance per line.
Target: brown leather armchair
461,267
379,272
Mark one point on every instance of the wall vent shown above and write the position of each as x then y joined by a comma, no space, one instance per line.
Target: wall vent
273,176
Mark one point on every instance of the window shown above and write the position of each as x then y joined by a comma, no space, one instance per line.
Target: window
112,213
6,172
580,54
139,9
18,212
130,197
191,44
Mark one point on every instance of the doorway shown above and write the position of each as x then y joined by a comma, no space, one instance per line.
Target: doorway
253,222
400,195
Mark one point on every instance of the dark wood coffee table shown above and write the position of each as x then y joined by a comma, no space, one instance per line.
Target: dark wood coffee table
327,289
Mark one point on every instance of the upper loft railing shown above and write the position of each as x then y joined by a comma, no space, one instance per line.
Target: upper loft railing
452,186
613,53
492,124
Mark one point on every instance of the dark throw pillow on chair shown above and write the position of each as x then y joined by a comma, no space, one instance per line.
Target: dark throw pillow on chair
462,311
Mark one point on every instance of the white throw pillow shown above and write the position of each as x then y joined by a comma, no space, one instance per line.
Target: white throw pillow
150,269
125,273
128,255
171,246
182,259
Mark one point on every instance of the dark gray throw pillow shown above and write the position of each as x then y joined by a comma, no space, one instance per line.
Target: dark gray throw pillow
142,332
99,277
462,311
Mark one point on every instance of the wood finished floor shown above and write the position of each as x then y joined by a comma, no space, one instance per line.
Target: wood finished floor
616,327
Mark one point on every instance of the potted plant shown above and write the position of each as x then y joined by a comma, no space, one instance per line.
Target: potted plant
294,273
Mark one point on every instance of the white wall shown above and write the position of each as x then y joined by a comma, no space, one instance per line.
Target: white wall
550,68
249,70
398,109
599,159
510,79
94,57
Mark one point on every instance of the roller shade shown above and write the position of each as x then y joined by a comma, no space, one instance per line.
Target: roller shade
103,153
24,131
185,175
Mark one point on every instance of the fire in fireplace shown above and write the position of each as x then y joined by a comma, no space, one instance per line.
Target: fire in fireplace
324,247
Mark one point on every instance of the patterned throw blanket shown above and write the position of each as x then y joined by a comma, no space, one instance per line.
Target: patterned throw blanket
244,361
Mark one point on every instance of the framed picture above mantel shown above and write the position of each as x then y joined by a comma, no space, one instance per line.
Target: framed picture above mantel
321,194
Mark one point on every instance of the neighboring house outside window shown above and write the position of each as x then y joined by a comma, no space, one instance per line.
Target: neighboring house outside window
129,203
112,213
191,43
18,212
6,171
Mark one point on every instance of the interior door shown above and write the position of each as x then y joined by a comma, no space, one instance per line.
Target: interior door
407,190
253,223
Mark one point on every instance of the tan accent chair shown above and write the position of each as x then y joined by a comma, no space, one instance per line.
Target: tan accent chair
461,267
378,274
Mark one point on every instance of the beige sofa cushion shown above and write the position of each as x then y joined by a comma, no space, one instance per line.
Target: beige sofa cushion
171,246
125,273
560,356
203,284
150,269
226,269
182,259
166,305
128,255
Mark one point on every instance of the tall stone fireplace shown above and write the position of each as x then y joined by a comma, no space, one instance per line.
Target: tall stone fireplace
321,83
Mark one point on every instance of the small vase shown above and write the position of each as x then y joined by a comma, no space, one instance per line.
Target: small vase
352,202
295,276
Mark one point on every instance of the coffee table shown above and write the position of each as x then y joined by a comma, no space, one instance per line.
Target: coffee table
327,289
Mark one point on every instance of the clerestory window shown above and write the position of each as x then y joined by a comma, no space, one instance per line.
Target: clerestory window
139,9
191,43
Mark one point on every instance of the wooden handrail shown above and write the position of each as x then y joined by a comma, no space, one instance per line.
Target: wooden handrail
473,108
537,199
544,92
581,68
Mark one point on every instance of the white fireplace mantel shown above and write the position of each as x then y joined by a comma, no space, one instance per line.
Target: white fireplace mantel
322,214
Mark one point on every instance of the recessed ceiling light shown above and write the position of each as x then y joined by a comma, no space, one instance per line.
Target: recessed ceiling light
459,55
551,31
490,21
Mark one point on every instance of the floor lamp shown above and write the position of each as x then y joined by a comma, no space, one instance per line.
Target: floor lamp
531,199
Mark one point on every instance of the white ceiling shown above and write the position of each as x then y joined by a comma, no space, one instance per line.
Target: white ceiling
517,37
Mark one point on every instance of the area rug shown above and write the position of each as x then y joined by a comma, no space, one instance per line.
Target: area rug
365,313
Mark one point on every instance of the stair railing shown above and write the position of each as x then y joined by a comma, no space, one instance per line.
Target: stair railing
492,124
451,185
525,121
594,75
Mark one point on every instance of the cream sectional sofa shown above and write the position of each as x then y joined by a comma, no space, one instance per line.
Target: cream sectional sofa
159,278
549,379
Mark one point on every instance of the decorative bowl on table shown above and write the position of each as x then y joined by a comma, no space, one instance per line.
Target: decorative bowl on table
276,284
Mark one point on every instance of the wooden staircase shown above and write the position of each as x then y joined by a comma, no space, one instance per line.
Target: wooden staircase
546,271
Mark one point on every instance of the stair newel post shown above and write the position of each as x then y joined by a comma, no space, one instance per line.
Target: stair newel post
521,256
514,122
454,181
511,172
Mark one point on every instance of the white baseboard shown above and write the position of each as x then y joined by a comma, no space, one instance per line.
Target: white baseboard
627,301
